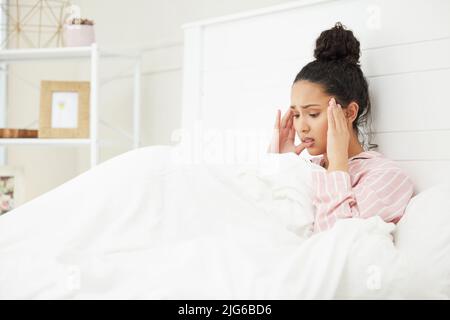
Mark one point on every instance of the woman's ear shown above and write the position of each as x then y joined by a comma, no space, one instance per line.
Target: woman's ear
351,111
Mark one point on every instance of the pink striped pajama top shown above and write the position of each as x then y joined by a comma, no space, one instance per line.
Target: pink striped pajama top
373,185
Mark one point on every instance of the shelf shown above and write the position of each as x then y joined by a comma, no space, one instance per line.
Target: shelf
37,141
17,55
93,54
23,55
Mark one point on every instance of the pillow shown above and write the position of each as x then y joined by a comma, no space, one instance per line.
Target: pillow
423,239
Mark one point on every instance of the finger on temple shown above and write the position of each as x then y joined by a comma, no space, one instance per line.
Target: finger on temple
330,119
290,123
340,118
299,148
283,120
277,120
286,118
291,133
291,118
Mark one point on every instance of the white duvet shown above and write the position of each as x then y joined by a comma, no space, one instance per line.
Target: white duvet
144,226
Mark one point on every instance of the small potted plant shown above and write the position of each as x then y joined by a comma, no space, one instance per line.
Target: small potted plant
78,32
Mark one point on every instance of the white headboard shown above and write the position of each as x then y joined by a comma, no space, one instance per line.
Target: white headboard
239,69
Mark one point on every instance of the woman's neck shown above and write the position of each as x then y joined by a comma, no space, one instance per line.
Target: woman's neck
354,148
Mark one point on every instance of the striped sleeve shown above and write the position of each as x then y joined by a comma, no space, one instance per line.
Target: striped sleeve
385,193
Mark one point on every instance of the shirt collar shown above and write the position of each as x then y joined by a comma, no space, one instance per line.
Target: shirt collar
363,155
366,155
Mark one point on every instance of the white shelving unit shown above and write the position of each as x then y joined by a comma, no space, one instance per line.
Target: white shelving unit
94,54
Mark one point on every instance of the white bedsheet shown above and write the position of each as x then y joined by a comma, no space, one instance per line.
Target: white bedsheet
141,226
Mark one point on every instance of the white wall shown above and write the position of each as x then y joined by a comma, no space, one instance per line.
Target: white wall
122,25
148,24
3,81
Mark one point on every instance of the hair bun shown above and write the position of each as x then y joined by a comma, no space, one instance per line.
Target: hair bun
337,43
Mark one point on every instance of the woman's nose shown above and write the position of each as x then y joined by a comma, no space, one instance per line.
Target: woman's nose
303,126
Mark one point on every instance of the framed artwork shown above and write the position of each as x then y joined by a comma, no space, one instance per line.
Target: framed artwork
11,188
33,23
64,110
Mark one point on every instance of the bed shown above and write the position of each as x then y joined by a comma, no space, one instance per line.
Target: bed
197,223
239,69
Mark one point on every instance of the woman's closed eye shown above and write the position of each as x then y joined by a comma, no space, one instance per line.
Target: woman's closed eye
315,115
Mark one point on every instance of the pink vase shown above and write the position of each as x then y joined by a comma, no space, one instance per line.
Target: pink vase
75,35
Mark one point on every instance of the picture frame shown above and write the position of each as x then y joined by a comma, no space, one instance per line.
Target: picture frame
12,189
64,109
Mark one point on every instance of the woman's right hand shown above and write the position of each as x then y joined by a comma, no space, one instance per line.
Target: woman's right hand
283,138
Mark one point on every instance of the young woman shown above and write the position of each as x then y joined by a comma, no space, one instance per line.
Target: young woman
329,102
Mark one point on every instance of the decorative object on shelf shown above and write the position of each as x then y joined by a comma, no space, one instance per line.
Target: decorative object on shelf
11,188
64,110
34,23
18,133
78,32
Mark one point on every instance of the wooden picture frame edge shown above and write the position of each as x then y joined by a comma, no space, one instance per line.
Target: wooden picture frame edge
19,183
47,89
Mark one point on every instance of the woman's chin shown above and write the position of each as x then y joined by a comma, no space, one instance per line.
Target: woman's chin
314,151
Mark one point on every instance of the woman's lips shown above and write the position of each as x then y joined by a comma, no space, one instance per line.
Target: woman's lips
309,143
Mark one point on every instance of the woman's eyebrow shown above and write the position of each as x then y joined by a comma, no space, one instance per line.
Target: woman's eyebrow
306,106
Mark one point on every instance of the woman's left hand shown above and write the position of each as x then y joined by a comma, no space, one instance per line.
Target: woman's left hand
338,137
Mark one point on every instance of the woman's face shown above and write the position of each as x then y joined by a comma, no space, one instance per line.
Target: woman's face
309,104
